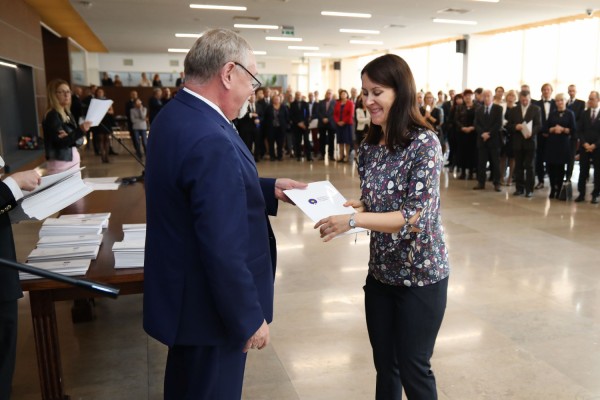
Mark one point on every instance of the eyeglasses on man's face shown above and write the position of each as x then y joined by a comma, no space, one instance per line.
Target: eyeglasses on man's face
256,84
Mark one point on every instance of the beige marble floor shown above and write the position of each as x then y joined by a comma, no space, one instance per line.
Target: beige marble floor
523,316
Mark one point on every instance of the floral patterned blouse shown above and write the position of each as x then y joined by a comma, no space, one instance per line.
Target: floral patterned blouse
407,180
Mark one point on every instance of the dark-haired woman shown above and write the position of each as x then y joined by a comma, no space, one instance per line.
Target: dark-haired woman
399,165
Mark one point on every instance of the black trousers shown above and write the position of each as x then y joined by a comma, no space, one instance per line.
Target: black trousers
585,160
571,164
491,153
8,345
327,138
524,179
299,135
540,165
403,323
204,373
276,136
556,173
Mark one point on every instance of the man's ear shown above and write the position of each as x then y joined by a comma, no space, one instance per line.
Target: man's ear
226,72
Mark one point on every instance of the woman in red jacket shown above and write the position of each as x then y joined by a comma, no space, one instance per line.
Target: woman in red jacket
343,115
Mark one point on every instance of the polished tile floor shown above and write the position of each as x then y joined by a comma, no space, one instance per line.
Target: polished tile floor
523,316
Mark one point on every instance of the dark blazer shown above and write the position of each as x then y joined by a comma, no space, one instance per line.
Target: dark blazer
299,113
578,107
283,116
154,107
60,148
515,116
209,269
446,107
589,131
76,108
491,123
10,287
323,112
540,104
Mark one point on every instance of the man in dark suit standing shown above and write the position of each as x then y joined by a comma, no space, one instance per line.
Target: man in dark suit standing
589,150
578,107
210,251
263,99
155,104
248,125
312,115
488,123
299,115
10,287
547,106
524,141
326,125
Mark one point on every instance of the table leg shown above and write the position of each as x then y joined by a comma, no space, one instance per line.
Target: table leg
45,333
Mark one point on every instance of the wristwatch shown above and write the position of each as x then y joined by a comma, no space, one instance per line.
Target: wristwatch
352,222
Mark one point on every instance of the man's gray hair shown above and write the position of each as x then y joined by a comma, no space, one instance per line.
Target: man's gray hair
212,51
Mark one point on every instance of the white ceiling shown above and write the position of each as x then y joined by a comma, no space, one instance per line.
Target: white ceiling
149,26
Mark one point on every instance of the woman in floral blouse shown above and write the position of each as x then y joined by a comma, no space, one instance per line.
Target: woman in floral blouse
406,288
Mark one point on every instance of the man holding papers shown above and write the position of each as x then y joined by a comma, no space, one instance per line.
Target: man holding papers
399,165
10,287
523,124
210,251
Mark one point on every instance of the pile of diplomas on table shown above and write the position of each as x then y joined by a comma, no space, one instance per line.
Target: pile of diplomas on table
130,252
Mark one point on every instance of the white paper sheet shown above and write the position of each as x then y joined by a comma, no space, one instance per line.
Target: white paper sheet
527,129
321,200
97,111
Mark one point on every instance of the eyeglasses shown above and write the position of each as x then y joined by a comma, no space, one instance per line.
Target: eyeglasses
256,84
63,92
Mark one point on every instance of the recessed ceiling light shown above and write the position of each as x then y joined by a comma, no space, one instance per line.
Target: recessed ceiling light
259,53
283,39
217,7
303,48
8,64
188,35
366,42
178,50
454,21
365,31
317,54
254,26
345,14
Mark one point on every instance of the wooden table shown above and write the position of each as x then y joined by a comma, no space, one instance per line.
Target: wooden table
127,205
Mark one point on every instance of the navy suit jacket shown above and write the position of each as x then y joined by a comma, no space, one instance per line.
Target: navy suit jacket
209,262
491,123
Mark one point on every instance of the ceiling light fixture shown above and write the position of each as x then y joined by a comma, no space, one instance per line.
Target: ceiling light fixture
366,42
303,48
8,64
217,7
454,21
317,54
365,31
283,39
259,52
188,35
255,26
345,14
178,50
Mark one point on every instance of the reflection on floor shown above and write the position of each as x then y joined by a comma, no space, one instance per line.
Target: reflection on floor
523,317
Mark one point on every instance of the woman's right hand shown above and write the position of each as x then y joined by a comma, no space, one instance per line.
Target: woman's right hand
62,134
358,205
27,180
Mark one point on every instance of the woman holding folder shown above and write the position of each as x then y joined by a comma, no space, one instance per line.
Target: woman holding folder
399,164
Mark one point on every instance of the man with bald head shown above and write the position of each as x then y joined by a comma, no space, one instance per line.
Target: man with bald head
488,123
210,251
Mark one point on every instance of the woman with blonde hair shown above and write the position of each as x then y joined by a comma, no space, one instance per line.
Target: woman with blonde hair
62,134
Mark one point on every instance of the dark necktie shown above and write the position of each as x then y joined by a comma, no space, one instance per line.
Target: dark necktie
593,114
487,111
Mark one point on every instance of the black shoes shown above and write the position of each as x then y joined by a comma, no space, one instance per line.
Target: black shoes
497,188
539,185
580,199
478,187
529,195
518,193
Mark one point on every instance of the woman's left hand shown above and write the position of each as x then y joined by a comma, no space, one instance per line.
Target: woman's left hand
332,226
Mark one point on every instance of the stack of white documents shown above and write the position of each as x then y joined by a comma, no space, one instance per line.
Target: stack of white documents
63,253
69,268
130,252
69,241
99,216
71,227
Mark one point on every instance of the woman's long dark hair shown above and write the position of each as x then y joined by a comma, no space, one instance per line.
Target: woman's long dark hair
392,71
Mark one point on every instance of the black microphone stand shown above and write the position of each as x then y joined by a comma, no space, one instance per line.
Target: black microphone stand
131,179
92,286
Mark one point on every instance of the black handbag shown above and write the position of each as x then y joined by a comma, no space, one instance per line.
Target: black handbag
566,191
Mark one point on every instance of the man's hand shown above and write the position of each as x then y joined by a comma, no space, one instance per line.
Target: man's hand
519,127
282,184
27,180
485,136
301,125
260,339
325,120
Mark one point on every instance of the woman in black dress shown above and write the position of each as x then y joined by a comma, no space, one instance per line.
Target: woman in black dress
467,139
507,155
560,125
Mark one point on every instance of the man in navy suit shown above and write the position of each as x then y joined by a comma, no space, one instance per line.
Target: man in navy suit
300,117
10,287
210,250
488,123
326,124
578,107
589,151
547,106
